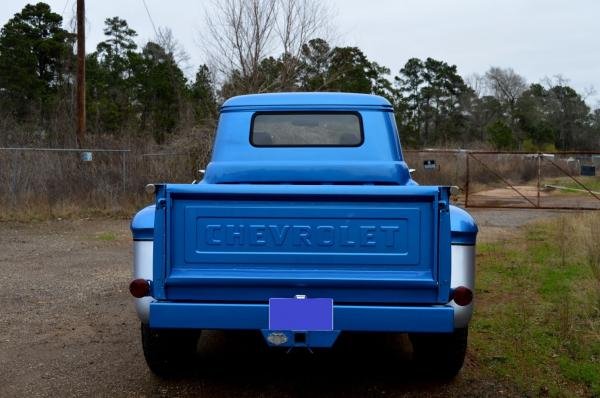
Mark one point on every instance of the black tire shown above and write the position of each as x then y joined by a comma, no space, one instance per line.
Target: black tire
440,354
169,352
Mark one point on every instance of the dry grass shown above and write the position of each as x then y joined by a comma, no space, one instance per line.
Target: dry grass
538,311
57,184
45,184
592,241
517,169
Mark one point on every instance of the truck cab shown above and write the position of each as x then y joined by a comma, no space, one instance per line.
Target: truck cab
307,224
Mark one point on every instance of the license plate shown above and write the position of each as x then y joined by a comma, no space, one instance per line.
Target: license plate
308,314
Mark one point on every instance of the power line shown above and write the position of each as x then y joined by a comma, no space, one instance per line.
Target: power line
65,8
150,17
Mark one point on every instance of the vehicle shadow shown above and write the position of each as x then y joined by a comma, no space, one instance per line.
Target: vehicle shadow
360,364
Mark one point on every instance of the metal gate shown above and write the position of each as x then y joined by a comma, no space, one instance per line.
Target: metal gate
523,180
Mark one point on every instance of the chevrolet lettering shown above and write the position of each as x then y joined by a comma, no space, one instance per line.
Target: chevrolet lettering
306,225
302,235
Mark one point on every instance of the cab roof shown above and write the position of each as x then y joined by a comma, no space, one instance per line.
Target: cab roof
307,99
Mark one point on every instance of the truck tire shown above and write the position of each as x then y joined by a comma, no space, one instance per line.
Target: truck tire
440,354
167,351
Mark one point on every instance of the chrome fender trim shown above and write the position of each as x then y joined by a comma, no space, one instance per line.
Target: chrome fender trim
142,269
463,274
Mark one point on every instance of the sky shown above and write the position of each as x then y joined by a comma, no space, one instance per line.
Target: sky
537,38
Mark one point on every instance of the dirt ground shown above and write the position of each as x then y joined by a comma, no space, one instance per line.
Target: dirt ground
67,328
509,197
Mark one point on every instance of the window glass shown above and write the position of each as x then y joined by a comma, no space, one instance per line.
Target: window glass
306,129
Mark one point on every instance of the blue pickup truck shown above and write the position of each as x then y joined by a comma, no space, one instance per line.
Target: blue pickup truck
307,224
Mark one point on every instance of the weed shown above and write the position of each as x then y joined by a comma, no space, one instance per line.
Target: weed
593,255
537,309
107,236
587,373
50,184
563,239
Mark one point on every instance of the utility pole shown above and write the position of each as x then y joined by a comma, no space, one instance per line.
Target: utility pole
80,72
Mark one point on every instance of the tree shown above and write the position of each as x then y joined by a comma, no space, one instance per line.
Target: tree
110,77
477,83
160,88
506,86
351,71
344,69
569,115
268,76
242,34
171,45
131,91
114,51
202,92
532,111
315,61
442,94
595,129
298,21
429,100
408,101
501,135
480,112
35,59
380,84
555,114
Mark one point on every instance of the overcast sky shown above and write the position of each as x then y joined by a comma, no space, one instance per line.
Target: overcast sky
537,38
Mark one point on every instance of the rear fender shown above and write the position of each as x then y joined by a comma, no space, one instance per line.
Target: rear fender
142,269
464,234
463,274
142,229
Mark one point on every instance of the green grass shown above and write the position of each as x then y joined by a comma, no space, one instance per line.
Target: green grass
107,236
592,183
537,320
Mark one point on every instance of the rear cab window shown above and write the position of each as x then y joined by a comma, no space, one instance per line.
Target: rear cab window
306,129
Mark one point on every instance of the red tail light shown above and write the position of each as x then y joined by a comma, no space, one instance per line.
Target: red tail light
462,296
139,288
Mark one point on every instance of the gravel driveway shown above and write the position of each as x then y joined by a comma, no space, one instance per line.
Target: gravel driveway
67,328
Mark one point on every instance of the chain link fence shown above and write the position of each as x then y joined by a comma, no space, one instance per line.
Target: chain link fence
52,182
49,181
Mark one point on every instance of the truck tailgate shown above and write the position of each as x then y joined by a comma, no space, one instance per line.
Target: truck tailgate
249,243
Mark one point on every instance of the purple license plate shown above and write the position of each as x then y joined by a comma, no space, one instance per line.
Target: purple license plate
301,314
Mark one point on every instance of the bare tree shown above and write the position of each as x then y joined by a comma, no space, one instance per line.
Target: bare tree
166,39
561,81
505,84
242,35
477,83
299,21
567,111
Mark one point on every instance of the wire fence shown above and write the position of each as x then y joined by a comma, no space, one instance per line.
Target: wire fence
58,181
561,180
50,181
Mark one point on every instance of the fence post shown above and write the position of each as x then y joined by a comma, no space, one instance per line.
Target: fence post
539,177
467,181
124,171
13,183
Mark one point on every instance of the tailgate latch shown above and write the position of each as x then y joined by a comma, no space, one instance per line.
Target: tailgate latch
443,205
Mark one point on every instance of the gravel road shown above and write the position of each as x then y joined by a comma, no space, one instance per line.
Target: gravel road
67,328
